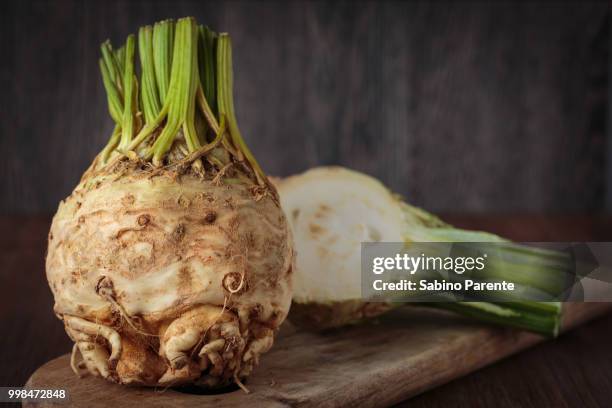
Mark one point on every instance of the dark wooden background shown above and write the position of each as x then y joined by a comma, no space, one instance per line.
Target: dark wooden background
462,107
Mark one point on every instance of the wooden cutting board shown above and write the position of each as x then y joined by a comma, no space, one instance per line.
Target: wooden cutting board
404,353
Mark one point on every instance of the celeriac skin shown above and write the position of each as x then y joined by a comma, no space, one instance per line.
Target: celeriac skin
168,255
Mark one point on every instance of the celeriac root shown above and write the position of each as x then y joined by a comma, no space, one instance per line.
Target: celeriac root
93,329
76,366
224,355
185,332
188,312
95,355
170,263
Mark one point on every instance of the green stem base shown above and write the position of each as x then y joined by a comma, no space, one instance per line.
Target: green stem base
539,317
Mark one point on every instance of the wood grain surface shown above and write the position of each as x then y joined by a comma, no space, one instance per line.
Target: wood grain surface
375,364
573,370
461,107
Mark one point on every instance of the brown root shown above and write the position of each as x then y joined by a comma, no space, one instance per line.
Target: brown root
76,366
97,360
240,384
106,290
140,363
94,329
258,347
217,179
219,357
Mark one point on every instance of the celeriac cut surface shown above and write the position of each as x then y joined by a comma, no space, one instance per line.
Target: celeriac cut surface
332,210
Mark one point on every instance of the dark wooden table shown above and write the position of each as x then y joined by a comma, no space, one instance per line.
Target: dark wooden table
574,370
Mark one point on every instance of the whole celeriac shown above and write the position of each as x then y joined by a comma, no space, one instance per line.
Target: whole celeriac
170,263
